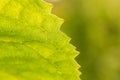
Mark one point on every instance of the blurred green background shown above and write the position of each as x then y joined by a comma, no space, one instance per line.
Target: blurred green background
94,26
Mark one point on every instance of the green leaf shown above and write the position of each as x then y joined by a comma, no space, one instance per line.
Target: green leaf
32,47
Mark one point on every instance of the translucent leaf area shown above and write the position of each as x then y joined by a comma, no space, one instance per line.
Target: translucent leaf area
32,47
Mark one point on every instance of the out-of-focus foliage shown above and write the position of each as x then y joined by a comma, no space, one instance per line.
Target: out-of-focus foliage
94,26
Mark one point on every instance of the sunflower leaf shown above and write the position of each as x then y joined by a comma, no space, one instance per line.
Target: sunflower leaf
32,47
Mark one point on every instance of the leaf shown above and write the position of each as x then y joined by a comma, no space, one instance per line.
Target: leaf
32,47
